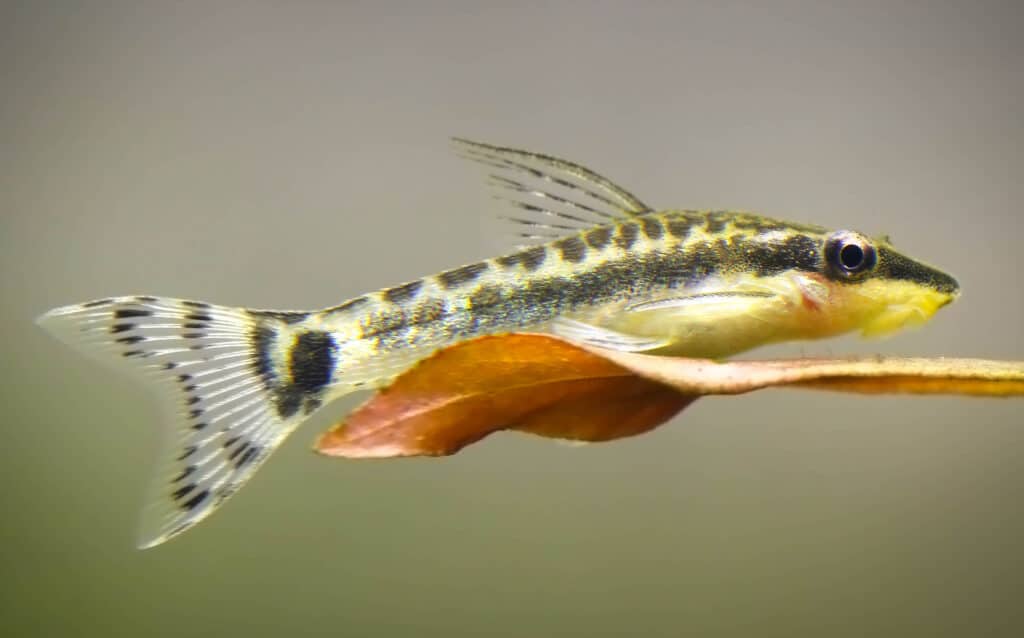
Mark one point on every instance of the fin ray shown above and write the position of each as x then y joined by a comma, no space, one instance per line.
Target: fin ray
700,300
206,365
601,337
551,194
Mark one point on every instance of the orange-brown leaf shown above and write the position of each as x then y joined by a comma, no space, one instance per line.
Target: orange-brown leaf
549,387
532,383
868,375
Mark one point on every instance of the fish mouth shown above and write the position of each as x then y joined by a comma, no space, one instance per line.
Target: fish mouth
910,313
948,286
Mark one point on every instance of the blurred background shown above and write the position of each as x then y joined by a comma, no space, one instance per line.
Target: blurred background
292,155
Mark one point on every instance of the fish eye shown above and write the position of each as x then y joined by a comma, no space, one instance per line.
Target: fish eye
849,254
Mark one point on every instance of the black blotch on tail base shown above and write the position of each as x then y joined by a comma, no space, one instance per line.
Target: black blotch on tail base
287,401
312,361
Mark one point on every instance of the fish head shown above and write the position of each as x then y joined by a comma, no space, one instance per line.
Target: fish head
881,289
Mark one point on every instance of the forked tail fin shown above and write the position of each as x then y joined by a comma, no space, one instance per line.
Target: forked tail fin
233,384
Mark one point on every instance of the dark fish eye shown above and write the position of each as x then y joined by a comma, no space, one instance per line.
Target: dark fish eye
849,254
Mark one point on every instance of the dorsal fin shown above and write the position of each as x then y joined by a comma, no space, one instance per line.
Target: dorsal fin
551,196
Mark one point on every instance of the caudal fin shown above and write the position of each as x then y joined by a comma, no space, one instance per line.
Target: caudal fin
216,372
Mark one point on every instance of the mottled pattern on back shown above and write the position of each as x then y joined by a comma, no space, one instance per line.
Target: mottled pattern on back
650,255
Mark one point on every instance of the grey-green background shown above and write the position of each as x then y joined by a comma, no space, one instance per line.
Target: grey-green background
295,154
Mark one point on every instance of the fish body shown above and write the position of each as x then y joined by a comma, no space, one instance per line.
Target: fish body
603,269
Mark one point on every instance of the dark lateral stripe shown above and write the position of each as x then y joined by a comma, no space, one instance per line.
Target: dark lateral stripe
652,227
572,249
464,275
627,235
799,252
529,301
600,237
403,293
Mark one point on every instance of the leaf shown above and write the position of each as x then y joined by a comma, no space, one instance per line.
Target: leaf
532,383
870,375
549,387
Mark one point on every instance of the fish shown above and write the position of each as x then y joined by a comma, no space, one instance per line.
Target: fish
594,265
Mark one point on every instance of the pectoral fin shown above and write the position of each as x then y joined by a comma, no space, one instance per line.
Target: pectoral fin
604,337
724,302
